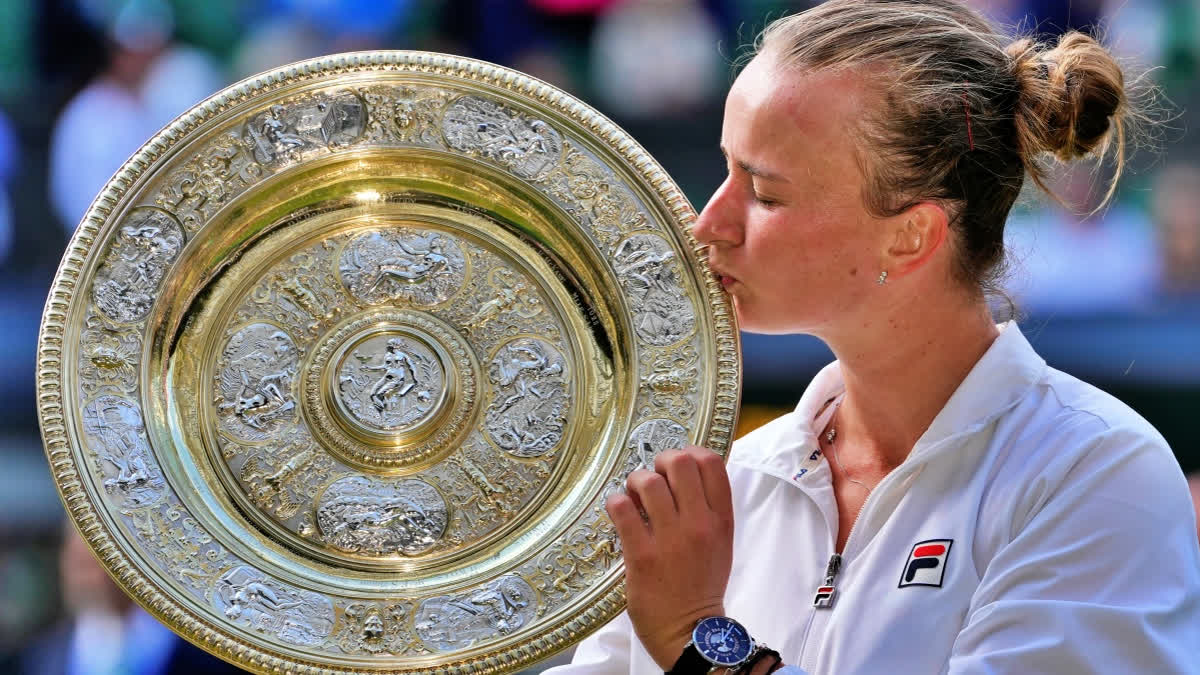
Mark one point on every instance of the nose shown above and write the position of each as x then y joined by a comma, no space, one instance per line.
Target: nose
717,223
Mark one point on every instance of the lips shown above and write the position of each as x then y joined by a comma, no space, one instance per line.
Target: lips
722,277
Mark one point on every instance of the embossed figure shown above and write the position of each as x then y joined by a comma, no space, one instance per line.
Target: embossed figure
372,626
255,380
361,515
143,248
662,313
399,375
528,412
521,364
512,294
393,387
293,615
652,437
529,147
375,629
643,267
500,607
124,448
424,267
275,130
123,458
254,596
263,401
502,604
414,267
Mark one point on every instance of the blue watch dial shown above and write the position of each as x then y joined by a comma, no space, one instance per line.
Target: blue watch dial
722,641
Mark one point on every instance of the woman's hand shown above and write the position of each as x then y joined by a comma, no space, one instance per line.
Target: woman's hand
679,554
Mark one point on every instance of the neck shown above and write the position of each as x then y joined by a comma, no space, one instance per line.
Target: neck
902,368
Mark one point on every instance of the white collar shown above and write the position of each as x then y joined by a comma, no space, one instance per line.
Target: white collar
1001,378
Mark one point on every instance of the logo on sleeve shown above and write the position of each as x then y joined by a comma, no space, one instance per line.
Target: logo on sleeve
927,563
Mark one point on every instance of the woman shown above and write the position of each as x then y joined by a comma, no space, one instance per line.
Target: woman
940,500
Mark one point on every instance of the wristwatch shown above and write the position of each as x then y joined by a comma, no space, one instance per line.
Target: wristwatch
718,642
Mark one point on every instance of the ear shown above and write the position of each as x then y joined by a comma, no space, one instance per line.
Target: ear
917,234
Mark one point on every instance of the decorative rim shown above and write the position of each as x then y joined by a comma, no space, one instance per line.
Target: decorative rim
62,298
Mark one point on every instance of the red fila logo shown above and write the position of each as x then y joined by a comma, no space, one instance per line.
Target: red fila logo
824,597
926,564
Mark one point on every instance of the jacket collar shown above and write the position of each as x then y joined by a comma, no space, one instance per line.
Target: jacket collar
1000,379
997,382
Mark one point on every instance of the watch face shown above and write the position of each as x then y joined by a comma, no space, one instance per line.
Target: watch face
722,641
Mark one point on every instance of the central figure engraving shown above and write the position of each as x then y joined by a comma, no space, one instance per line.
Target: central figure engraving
390,382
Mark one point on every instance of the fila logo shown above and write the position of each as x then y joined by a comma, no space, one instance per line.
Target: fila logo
824,597
926,564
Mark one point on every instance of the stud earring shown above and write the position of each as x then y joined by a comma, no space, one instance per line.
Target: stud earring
882,278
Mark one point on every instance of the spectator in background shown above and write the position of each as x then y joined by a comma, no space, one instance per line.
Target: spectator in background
146,82
1177,215
105,633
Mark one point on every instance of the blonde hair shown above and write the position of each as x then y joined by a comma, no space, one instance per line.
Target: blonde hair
965,111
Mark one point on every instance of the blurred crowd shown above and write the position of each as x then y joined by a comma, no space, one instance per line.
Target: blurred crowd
83,83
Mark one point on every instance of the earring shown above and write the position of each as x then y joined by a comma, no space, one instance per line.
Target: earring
882,278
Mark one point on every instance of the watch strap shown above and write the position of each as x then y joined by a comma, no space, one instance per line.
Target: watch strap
690,662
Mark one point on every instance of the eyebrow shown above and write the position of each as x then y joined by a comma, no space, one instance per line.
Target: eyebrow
755,171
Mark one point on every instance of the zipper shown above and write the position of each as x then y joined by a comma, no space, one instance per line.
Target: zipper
837,562
919,460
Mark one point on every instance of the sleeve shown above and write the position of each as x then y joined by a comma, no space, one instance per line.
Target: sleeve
1101,573
605,652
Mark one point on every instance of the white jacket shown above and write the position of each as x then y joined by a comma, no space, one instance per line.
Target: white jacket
1046,526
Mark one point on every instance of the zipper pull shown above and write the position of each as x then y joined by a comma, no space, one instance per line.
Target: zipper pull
825,593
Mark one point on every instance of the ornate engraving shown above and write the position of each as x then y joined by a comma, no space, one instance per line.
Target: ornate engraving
390,382
283,477
487,488
645,266
109,357
530,403
575,561
374,628
117,435
284,132
527,146
179,545
140,254
251,599
594,196
652,437
207,182
254,382
420,266
670,381
301,294
364,515
513,298
450,622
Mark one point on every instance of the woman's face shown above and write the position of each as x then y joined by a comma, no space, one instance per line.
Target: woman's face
790,238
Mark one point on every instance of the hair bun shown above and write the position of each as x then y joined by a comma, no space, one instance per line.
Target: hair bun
1070,96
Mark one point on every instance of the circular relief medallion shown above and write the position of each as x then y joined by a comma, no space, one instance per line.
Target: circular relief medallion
389,381
391,389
